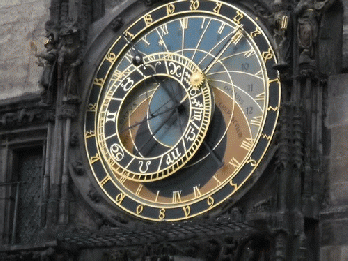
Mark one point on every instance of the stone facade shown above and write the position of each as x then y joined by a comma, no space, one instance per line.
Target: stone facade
22,35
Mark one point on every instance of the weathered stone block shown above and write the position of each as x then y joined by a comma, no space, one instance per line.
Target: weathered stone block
339,143
338,101
22,35
14,78
23,13
330,253
7,3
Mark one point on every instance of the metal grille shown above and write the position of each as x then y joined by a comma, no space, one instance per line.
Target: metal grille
29,174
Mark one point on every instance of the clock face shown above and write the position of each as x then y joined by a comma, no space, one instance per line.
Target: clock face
182,109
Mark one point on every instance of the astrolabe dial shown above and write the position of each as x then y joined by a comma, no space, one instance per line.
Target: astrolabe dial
153,119
182,109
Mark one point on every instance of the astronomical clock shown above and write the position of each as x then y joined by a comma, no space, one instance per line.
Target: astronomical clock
181,109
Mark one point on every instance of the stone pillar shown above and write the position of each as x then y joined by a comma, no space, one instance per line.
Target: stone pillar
334,218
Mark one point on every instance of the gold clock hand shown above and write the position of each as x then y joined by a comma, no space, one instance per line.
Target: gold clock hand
149,118
157,130
222,50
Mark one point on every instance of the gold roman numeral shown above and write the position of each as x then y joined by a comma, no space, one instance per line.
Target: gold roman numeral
122,179
183,23
261,96
176,196
235,163
197,193
247,144
237,37
257,120
137,192
115,75
221,28
249,53
163,29
217,180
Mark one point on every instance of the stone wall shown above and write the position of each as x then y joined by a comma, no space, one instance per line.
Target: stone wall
345,35
22,35
334,218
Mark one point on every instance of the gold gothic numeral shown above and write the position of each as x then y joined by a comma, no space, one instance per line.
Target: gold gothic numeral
267,137
187,210
140,209
194,5
235,163
273,80
162,213
111,57
104,181
252,162
176,196
148,20
255,33
238,17
127,34
217,7
92,107
119,198
98,81
170,9
210,201
247,144
94,159
267,55
233,184
270,108
89,134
